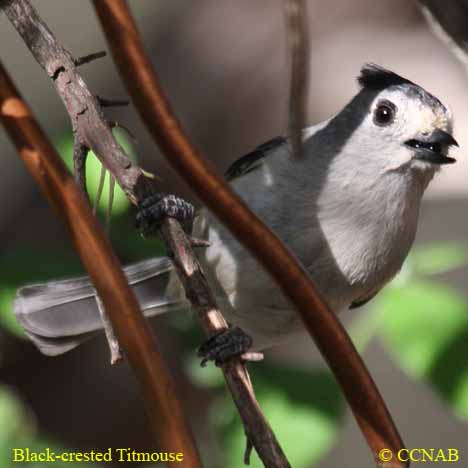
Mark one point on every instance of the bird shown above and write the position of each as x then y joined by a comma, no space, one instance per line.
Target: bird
347,208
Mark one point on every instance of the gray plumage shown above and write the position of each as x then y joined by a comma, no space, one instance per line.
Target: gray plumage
59,315
348,209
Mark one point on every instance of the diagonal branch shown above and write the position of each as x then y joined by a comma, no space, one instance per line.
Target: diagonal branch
257,429
90,128
92,131
332,340
95,252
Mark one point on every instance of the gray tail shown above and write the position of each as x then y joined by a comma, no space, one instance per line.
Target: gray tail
59,315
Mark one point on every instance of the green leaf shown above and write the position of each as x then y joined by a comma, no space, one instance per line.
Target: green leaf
19,431
93,174
7,318
434,259
425,328
15,421
304,409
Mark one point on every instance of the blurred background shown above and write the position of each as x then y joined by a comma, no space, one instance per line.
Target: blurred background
225,69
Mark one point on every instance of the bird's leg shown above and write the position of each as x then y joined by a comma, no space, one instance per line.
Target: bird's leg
155,208
228,343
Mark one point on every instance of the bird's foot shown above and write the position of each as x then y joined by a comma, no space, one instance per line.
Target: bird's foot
227,344
155,208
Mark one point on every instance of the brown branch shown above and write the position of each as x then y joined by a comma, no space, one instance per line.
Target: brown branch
95,252
114,345
90,128
80,154
89,58
91,131
332,340
257,429
298,39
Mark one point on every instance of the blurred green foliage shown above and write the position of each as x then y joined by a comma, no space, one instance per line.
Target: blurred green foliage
303,407
93,172
424,324
17,422
421,322
19,431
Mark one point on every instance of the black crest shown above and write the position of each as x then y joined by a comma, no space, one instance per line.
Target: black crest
377,78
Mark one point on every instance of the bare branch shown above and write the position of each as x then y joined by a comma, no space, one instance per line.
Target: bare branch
80,153
110,202
203,302
89,58
248,450
132,330
112,102
298,39
331,338
116,355
90,127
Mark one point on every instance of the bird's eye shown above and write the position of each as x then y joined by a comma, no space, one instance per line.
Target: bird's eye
384,113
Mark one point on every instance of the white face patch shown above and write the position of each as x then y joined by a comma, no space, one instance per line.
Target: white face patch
417,116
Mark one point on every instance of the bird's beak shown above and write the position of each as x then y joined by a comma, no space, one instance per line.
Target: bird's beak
433,147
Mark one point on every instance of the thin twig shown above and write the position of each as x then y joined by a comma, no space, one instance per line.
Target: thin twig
133,331
248,450
298,40
89,58
332,340
116,355
91,127
110,202
91,131
235,373
80,153
112,102
100,189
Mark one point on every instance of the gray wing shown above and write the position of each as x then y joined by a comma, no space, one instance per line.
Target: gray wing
255,159
450,20
59,315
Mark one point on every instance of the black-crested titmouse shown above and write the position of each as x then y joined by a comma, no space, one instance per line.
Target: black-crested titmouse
347,208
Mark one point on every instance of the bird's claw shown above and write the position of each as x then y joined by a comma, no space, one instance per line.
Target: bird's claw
227,344
152,211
